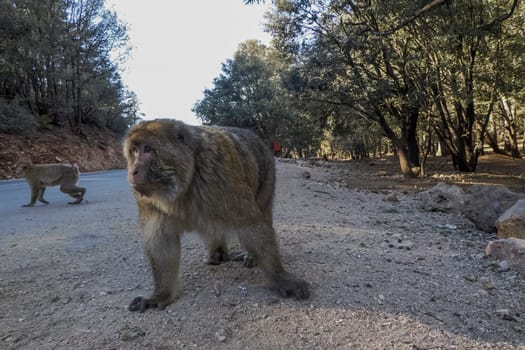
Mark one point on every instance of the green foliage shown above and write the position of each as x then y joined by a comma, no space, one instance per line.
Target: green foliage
249,93
397,63
55,59
243,94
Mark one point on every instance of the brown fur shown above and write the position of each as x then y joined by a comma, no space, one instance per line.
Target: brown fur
39,176
215,181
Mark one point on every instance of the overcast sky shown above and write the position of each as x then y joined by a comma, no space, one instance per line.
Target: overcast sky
178,48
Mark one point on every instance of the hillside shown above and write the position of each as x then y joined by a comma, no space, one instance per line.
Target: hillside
95,149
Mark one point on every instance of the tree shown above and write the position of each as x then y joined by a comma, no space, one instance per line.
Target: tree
463,87
347,63
243,94
394,62
56,64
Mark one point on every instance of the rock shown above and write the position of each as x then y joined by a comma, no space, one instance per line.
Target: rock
511,250
442,197
392,198
512,222
306,175
505,314
481,204
503,266
485,204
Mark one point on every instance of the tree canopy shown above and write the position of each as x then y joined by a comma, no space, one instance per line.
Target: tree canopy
420,74
250,93
59,65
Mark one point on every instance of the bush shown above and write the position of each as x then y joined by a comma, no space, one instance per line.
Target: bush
15,119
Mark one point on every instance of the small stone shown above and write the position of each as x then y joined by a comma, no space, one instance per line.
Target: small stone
392,198
503,266
217,290
483,293
506,315
470,278
489,286
221,335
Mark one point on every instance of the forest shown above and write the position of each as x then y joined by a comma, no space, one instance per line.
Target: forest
339,79
59,66
352,79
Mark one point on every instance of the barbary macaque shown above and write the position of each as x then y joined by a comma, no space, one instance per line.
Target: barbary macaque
39,176
216,181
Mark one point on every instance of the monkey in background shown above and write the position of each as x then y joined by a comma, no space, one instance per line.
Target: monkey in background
39,176
212,180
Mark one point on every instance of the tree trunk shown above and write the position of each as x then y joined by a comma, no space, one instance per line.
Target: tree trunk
411,138
404,162
466,161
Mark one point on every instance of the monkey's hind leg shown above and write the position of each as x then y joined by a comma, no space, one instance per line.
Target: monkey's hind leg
41,195
217,249
75,192
261,243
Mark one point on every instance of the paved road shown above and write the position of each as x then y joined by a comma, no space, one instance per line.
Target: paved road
108,193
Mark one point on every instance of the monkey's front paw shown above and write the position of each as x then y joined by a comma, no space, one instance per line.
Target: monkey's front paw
141,304
290,286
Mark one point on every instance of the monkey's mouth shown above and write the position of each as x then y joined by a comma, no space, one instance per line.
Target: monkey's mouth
144,189
164,187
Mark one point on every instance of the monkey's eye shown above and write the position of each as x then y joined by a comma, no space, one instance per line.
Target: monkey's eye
148,149
133,149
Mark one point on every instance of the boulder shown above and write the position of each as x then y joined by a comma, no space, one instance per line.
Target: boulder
481,204
442,197
511,250
484,204
512,222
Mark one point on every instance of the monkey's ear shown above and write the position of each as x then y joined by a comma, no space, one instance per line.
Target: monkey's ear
185,136
24,164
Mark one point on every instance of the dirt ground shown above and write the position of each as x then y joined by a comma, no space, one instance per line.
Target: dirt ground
384,173
383,274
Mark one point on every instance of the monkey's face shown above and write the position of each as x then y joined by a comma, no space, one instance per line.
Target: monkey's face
21,169
160,161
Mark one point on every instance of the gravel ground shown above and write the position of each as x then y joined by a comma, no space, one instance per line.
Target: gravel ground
383,274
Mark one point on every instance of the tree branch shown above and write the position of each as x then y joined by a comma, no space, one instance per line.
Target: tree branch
412,18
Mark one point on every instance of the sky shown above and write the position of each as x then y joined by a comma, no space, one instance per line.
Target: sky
178,48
